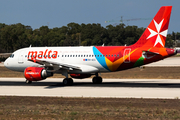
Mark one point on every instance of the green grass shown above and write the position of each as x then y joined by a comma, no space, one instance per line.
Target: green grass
88,108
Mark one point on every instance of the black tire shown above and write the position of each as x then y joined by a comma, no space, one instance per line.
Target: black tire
67,82
97,80
28,82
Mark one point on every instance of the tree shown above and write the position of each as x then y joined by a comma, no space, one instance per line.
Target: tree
15,36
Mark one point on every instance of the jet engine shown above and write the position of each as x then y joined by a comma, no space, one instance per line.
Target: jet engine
36,73
80,76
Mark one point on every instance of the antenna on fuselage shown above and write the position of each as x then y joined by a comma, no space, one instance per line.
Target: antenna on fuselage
30,46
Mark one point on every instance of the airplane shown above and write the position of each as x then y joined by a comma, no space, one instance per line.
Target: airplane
80,62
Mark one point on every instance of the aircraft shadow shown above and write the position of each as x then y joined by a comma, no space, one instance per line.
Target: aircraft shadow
51,85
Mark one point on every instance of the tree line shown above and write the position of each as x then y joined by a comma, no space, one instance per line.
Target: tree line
16,36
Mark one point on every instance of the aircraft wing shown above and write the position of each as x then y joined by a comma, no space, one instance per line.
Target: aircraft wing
53,66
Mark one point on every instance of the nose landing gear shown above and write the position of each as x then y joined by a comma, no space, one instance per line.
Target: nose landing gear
28,82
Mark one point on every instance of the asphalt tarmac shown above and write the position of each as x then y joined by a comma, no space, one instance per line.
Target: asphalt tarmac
110,88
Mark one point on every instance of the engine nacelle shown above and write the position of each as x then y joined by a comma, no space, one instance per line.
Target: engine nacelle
36,73
80,76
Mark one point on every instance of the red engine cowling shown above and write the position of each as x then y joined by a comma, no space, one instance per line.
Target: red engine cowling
36,73
80,76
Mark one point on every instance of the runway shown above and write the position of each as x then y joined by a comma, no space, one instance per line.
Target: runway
110,88
171,61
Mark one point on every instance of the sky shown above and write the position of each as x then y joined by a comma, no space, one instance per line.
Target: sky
58,13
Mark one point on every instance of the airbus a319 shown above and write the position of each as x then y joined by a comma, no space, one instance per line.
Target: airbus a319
38,63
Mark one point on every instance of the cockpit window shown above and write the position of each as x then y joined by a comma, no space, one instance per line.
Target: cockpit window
12,55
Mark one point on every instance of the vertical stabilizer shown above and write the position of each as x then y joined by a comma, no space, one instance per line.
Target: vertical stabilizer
155,34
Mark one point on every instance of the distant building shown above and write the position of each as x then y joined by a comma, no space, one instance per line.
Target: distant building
5,55
177,43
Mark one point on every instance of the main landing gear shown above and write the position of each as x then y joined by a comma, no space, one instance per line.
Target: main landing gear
68,81
97,79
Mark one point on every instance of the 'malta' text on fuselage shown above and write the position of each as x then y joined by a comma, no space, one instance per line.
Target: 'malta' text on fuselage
47,54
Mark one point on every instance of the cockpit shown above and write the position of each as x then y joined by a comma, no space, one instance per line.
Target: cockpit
11,56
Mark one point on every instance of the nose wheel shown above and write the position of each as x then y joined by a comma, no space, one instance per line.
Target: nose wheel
28,82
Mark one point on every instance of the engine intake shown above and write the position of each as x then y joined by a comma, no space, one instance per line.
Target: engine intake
36,73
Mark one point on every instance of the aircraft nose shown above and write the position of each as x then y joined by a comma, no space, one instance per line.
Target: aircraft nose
6,63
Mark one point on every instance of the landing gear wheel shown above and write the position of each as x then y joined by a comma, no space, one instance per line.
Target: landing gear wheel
97,80
68,81
28,82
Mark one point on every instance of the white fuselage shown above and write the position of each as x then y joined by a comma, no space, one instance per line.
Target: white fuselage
77,56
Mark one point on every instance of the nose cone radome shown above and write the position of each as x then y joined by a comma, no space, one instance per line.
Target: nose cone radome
6,63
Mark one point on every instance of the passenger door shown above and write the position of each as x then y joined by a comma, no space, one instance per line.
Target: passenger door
21,57
127,52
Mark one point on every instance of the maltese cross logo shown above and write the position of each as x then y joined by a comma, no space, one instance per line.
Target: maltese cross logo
158,33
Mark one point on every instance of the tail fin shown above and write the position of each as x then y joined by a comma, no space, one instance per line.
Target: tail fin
155,34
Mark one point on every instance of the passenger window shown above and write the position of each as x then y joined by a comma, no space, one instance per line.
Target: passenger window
89,55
